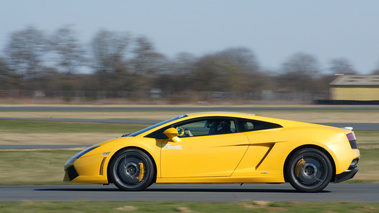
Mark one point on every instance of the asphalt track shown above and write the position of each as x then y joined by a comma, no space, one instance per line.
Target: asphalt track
191,193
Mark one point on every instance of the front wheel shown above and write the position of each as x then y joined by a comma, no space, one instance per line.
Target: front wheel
309,170
132,169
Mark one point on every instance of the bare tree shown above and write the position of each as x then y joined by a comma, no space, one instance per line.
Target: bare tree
207,75
109,50
4,74
25,50
231,70
69,52
302,64
375,72
241,69
178,73
3,67
341,66
146,60
183,64
298,73
242,58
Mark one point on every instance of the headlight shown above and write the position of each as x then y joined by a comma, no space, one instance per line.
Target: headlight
80,154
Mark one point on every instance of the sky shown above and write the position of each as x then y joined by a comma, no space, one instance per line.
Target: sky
274,30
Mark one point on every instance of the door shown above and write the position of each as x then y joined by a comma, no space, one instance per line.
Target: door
208,148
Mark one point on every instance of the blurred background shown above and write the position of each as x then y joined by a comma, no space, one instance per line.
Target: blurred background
187,52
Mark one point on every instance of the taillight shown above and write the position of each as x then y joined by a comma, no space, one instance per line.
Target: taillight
352,140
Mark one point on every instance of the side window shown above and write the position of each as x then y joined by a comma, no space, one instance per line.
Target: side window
254,125
197,128
200,127
248,126
212,126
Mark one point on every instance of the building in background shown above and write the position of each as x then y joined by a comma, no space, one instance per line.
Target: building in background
355,88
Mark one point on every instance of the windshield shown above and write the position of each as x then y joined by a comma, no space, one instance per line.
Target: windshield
156,125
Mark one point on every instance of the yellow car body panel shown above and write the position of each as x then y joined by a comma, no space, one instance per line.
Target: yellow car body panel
205,160
237,157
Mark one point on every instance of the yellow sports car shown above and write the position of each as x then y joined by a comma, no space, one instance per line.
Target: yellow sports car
220,147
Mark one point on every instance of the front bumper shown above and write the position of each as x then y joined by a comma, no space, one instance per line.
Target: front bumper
70,173
89,169
348,174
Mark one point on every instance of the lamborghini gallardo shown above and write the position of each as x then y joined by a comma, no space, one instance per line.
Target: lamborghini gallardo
221,147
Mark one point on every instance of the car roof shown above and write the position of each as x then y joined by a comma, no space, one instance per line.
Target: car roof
217,113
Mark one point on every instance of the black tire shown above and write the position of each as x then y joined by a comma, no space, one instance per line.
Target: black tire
132,170
309,170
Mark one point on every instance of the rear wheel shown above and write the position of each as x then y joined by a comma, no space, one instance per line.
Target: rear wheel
132,169
309,170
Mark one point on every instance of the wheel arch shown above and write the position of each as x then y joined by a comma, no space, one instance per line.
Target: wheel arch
132,147
309,146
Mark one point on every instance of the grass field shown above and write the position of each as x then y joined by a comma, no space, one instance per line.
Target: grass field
15,126
33,167
14,132
166,207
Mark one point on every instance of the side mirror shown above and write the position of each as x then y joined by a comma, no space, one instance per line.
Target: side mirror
172,134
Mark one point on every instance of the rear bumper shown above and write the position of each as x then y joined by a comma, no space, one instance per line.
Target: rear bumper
348,174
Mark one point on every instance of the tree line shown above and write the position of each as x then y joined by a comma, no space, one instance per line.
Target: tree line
118,61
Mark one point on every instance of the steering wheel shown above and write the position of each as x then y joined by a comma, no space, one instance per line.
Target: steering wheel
180,131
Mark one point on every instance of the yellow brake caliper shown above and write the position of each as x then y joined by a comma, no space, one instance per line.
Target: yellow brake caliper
141,171
299,166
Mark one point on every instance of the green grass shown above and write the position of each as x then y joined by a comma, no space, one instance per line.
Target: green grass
140,206
367,136
368,167
15,126
33,167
